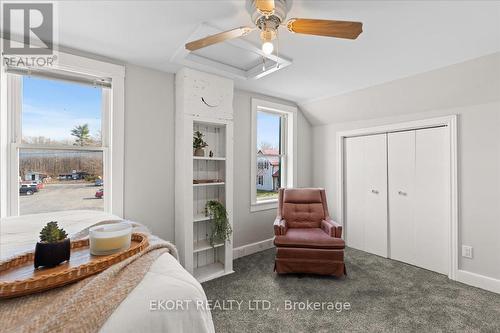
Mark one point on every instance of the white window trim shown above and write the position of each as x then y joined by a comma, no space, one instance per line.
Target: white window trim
113,132
290,147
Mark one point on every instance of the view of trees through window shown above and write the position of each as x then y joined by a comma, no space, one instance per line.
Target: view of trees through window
58,166
269,156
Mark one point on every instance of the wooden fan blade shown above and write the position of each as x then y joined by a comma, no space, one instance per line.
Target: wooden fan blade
329,28
218,38
265,7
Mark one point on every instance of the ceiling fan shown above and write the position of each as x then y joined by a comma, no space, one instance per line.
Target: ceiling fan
269,15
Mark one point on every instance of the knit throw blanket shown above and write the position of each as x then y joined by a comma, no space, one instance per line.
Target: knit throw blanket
83,306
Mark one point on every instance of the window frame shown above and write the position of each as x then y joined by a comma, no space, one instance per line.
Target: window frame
112,128
288,154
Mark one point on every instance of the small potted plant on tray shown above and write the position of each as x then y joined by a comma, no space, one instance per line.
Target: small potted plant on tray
220,227
54,246
199,144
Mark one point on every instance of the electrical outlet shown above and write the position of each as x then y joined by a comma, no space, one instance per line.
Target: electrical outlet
467,251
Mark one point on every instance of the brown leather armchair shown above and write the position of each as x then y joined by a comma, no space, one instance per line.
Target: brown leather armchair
307,240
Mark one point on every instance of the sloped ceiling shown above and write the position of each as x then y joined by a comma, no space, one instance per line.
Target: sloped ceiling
400,39
472,82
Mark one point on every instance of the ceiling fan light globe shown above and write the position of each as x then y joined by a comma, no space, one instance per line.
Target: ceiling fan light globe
267,48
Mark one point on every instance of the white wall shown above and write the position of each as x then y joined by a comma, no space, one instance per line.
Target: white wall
149,157
149,149
479,147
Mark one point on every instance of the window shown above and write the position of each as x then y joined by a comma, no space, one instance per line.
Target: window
60,114
273,157
269,153
58,139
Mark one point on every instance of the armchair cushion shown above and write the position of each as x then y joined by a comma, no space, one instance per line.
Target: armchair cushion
302,195
302,208
303,215
331,228
308,238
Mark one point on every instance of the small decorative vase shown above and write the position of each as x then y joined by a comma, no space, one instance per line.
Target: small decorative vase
199,152
52,254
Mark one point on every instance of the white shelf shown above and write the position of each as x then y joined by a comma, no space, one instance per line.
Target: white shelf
201,218
208,184
198,257
203,245
209,158
208,272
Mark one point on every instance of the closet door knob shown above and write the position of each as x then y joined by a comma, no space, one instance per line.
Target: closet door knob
375,191
402,193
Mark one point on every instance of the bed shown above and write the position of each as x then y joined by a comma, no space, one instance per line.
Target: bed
165,280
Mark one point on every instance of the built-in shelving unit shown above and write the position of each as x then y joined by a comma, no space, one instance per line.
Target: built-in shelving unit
201,218
213,171
209,184
204,245
210,271
209,158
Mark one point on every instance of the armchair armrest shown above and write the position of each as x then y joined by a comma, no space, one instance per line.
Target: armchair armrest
279,226
331,228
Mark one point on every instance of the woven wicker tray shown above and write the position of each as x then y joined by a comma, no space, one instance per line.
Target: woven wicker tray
18,276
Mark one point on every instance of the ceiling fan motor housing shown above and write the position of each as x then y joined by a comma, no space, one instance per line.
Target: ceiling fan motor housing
281,8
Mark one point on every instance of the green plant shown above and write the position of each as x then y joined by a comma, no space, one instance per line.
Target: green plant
51,233
198,142
82,135
220,228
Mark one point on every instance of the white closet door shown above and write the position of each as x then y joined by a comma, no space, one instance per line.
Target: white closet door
366,193
355,192
401,170
432,199
375,169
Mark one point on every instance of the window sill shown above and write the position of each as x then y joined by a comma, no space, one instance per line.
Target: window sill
264,205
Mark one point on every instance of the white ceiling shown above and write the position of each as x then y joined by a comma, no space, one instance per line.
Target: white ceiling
400,38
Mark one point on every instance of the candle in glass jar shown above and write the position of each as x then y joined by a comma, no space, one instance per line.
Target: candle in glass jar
108,239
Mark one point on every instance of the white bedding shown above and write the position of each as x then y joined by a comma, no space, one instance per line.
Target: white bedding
166,281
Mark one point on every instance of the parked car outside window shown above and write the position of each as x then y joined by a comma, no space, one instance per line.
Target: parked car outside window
28,189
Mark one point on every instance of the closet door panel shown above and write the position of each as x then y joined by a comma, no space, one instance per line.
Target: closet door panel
375,168
432,183
401,171
355,192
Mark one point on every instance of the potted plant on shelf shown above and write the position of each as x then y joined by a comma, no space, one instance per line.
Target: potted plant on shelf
220,228
54,246
199,144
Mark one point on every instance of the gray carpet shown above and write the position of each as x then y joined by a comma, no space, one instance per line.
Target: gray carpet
384,295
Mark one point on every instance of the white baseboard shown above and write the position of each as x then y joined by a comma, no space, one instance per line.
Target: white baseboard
480,281
252,248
